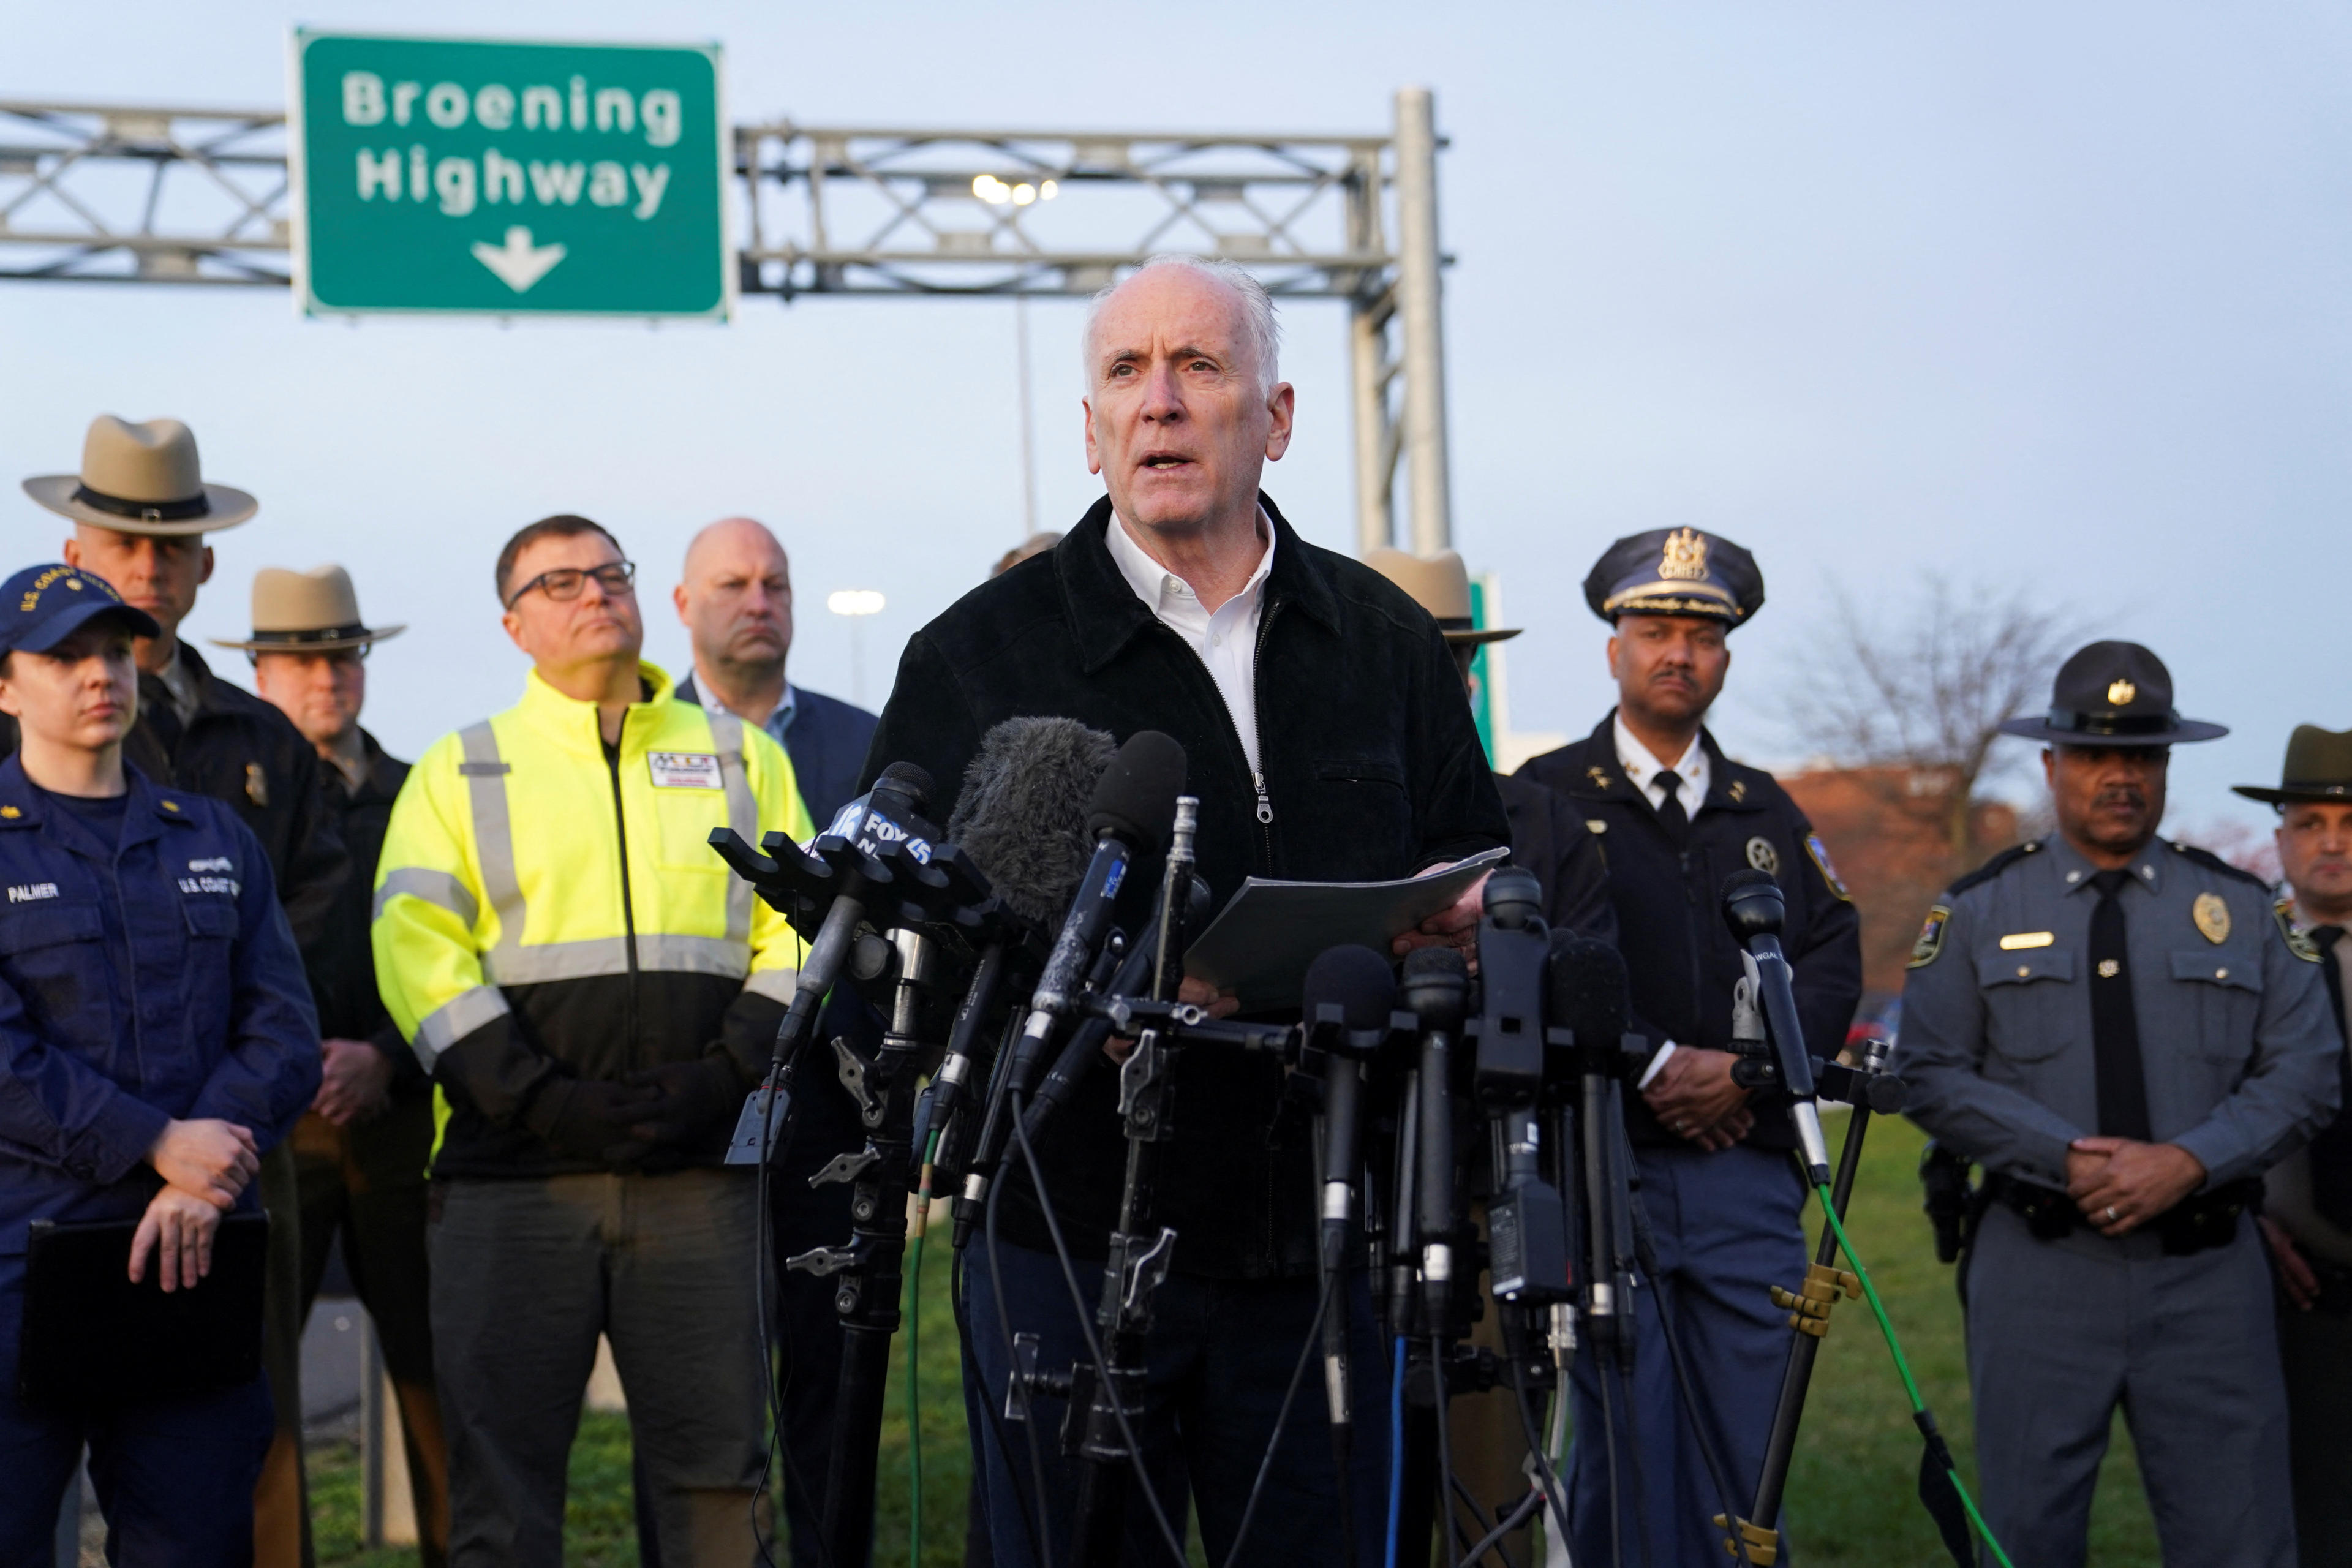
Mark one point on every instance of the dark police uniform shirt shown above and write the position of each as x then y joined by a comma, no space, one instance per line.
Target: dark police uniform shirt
144,981
2234,1029
1679,956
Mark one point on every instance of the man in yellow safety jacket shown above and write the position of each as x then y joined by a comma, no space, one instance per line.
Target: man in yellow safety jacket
594,993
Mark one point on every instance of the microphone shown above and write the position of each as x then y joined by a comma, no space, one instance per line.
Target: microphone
1585,989
880,815
1020,820
1511,948
1754,907
1436,991
1133,803
1348,996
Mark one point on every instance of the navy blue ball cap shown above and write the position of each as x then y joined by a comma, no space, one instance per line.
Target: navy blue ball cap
1675,572
43,606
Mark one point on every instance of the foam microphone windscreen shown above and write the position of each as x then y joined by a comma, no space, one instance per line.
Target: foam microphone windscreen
1358,980
1584,989
1136,801
1021,815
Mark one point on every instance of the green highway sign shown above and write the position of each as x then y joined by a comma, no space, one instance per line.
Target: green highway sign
509,178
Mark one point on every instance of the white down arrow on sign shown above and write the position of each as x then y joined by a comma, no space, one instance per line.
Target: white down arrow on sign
519,263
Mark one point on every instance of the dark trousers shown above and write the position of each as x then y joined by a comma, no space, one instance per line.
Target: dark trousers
2316,1348
174,1477
364,1185
526,1274
1729,1226
1220,1355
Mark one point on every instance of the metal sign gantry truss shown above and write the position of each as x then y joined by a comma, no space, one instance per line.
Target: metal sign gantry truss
113,193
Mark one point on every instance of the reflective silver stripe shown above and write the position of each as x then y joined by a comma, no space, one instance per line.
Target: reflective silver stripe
486,788
777,984
538,965
742,814
435,887
455,1019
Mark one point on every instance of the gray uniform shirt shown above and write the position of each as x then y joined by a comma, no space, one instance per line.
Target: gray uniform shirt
2235,1028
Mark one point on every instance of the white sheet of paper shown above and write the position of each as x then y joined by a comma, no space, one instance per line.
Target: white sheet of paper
1261,943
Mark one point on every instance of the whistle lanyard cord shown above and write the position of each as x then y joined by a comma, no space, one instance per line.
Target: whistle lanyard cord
1903,1366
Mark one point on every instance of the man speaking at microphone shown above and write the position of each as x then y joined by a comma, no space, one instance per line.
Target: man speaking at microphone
1327,739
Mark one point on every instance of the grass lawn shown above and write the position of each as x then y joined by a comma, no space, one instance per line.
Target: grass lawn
1852,1496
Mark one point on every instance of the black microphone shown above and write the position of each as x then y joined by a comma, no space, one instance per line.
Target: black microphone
1349,992
1436,991
1349,995
1132,806
1585,993
1754,908
880,815
1022,819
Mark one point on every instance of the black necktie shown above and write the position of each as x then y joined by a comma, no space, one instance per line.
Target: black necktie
1670,810
2114,1025
2331,1150
157,712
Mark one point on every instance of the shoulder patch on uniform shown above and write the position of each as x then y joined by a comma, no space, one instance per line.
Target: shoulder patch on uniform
2297,944
1820,854
1994,867
2212,862
1931,937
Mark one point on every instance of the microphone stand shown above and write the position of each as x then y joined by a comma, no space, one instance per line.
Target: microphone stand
1864,1089
1140,1247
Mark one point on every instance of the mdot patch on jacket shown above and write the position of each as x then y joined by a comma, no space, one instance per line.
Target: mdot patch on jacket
685,770
1931,938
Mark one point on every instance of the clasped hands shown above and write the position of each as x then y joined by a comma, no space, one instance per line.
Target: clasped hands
2121,1184
206,1165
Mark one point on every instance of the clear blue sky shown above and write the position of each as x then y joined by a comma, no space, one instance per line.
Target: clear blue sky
2016,293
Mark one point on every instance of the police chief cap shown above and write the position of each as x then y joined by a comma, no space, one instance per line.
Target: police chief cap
2113,694
1675,572
43,606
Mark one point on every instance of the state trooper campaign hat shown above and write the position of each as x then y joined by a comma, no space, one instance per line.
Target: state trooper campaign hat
43,606
2113,694
142,479
1675,572
2318,769
1439,584
316,611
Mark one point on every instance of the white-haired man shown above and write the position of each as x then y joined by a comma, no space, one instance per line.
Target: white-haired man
1328,737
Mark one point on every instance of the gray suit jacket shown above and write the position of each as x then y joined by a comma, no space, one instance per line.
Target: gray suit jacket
2236,1034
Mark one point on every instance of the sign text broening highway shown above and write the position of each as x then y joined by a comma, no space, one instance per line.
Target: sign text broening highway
507,178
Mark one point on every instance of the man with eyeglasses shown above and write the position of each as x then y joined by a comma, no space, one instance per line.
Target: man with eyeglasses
593,995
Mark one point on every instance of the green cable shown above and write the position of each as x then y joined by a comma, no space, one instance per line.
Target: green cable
914,1344
1919,1411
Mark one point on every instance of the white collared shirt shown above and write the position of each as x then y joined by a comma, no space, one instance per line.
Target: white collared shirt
1226,640
1642,766
778,724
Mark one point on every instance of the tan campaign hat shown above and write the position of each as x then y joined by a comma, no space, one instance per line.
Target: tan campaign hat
142,479
1439,584
316,611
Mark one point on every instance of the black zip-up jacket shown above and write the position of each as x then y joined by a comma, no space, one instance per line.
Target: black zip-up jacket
342,971
1679,955
1371,769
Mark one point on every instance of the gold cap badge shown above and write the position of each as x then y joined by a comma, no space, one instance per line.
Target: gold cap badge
1685,556
2211,914
2120,692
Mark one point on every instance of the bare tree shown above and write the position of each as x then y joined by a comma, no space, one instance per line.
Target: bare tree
1921,693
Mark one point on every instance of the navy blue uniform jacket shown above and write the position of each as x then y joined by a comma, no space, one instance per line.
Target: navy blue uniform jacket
141,984
1679,956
